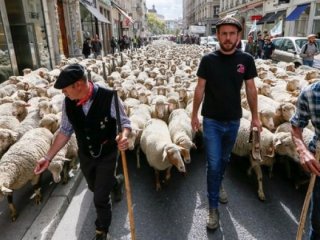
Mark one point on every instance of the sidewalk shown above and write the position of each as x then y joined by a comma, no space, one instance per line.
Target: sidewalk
51,214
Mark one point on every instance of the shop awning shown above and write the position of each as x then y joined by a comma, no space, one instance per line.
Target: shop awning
274,17
95,12
126,15
265,18
231,14
295,14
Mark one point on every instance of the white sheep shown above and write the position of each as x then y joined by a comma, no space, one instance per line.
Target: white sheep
179,125
18,163
243,148
160,152
63,161
7,138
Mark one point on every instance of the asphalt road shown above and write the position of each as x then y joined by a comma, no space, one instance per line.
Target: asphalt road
179,211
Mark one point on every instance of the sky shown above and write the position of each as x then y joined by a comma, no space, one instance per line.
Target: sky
170,9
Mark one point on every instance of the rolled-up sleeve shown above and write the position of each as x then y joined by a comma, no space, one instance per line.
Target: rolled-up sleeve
302,115
65,126
124,120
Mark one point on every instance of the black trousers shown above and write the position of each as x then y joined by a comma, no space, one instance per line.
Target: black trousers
100,176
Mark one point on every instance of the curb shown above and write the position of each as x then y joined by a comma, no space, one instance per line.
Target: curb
44,226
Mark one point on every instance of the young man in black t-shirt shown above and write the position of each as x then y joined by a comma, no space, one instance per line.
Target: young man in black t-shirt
220,77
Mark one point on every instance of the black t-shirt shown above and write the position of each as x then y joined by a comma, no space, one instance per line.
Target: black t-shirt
224,75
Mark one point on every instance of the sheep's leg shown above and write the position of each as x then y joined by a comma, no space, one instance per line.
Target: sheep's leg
65,172
157,175
257,169
168,175
138,155
37,189
13,210
270,171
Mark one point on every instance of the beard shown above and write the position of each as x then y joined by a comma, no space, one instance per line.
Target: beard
228,46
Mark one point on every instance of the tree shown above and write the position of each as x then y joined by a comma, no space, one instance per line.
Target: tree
155,25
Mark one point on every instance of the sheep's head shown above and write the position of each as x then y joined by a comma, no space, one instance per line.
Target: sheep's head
171,153
56,167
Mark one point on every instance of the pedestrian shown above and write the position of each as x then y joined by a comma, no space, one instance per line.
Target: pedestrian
113,44
309,50
86,48
268,48
96,46
220,77
260,43
307,109
251,47
97,139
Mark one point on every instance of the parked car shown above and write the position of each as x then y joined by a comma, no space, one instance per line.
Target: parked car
203,40
287,49
212,41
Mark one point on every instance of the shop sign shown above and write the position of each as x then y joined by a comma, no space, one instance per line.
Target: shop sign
255,17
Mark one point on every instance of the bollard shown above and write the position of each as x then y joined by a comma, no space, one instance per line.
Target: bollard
104,71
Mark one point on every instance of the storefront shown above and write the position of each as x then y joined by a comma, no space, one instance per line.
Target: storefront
23,40
94,22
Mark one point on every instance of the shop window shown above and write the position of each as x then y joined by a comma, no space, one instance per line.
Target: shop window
317,12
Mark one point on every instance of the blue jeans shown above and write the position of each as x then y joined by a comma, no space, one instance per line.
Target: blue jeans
308,62
219,138
315,212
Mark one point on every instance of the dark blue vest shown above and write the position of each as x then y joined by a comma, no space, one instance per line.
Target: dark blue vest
96,131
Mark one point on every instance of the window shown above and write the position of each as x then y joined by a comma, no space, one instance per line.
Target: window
216,11
277,43
317,12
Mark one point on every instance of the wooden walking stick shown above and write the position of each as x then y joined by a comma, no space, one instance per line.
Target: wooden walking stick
125,172
307,199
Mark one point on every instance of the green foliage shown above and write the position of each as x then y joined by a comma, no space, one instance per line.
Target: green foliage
155,25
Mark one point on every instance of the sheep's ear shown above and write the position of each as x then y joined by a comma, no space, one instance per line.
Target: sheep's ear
194,146
277,142
6,190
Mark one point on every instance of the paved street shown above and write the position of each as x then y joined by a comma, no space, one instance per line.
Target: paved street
178,212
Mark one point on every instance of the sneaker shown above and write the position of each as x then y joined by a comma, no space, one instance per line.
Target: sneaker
213,219
119,188
100,235
223,196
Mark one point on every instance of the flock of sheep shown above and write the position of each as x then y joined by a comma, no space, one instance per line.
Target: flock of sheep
156,84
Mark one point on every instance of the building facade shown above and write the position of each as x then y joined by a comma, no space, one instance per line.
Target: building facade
201,13
298,17
39,33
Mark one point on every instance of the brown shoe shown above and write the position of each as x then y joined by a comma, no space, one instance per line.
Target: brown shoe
213,219
101,235
223,196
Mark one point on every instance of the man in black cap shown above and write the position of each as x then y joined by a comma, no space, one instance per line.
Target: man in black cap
89,112
220,78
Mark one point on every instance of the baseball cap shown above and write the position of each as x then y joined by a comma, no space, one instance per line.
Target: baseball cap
69,75
229,21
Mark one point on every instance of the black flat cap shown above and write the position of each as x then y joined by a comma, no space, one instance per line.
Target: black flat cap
229,21
69,75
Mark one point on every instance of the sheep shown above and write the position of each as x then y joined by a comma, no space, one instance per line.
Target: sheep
181,132
50,121
283,141
139,116
160,152
31,121
242,148
9,122
7,138
66,157
18,163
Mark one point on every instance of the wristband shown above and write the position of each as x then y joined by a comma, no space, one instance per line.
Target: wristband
47,159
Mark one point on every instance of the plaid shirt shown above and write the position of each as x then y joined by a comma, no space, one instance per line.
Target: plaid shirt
66,127
308,108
